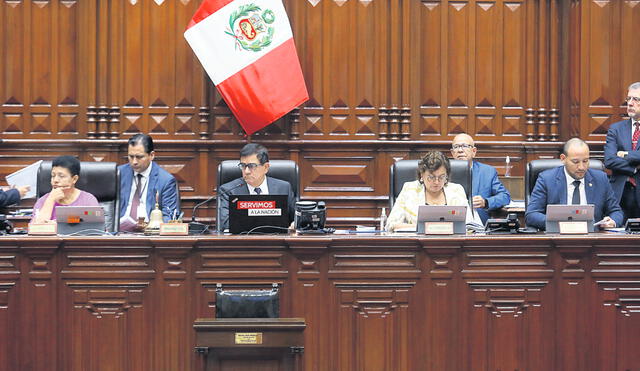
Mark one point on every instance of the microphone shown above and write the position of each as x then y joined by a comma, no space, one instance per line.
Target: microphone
200,228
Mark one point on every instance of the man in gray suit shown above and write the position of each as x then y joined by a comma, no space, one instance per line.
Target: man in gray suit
254,163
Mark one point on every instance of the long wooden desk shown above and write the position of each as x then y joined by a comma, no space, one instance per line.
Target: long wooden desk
370,302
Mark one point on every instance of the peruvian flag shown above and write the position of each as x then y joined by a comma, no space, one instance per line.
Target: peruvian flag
247,49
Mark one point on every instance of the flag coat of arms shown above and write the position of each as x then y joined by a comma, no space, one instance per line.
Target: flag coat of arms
247,49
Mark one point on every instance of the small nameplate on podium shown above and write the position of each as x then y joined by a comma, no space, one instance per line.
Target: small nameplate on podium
174,229
42,229
248,338
573,227
438,228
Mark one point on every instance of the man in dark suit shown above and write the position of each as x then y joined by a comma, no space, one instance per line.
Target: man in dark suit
13,195
254,163
140,180
574,183
622,155
487,190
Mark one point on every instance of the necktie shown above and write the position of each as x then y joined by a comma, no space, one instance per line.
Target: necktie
636,136
257,191
575,200
136,199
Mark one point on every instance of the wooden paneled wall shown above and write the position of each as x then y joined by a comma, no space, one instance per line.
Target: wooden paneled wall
387,80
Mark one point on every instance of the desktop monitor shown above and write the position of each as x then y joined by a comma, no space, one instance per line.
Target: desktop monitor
258,214
568,213
80,220
442,213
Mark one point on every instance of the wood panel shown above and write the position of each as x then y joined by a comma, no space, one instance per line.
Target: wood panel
370,303
387,80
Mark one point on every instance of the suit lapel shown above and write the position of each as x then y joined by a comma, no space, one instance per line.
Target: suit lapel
628,145
561,181
126,189
475,177
151,193
588,188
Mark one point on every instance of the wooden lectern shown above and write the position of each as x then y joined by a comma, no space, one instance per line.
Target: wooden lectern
251,343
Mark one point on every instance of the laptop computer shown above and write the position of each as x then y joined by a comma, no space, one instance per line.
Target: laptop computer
258,214
80,220
568,213
443,213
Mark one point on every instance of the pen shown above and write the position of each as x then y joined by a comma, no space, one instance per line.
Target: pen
175,211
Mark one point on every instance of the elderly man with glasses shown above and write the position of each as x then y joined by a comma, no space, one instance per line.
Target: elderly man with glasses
487,190
622,155
254,163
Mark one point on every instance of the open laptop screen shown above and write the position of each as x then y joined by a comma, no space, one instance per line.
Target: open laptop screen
443,213
80,220
258,214
568,213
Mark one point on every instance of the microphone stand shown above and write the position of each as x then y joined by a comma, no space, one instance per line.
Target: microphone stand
200,228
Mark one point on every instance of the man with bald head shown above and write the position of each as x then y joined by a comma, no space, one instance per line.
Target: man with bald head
574,184
487,190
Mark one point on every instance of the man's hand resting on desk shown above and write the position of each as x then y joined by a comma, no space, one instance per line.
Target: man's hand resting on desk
479,202
606,222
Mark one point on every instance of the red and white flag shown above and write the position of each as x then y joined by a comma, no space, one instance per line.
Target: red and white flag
247,49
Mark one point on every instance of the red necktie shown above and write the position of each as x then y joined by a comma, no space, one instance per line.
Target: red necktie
634,145
136,199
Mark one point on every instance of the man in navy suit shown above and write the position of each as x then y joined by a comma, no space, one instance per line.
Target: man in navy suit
574,183
140,180
254,163
622,155
488,192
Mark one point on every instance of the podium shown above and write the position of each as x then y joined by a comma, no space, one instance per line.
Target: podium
233,344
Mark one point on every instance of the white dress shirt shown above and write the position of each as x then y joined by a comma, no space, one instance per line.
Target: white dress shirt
263,187
142,208
571,187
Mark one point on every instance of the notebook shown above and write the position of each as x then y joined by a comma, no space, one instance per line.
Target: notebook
258,214
80,220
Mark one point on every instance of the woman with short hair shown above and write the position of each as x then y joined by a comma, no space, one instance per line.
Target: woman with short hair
431,188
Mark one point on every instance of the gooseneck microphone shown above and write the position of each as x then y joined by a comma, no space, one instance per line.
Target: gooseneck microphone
200,228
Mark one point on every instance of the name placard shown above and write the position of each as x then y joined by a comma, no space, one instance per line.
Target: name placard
438,227
248,338
174,229
42,229
573,227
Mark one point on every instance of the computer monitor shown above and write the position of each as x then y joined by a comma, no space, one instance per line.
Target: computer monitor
442,213
568,213
258,214
80,220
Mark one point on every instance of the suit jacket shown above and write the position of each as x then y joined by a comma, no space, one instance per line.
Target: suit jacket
9,197
551,189
486,184
159,180
239,187
619,139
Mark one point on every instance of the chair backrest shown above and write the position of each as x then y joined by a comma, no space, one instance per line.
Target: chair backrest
407,170
286,170
101,179
535,167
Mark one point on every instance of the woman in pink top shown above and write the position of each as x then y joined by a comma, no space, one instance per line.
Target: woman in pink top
65,172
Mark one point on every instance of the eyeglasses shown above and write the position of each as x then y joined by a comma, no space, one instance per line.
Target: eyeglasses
251,166
462,146
433,179
634,100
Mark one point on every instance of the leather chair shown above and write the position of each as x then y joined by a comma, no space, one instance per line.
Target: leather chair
286,170
535,167
407,170
101,179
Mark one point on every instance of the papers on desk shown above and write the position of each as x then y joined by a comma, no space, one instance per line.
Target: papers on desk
27,176
515,205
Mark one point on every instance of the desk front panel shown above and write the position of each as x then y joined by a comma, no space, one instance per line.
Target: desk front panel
370,303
